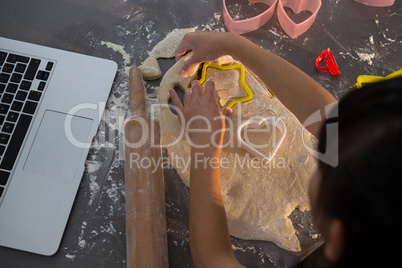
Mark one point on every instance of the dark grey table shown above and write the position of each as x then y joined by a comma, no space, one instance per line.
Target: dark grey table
364,40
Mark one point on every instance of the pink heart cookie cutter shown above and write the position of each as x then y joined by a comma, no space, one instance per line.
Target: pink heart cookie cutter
251,24
377,3
257,124
289,26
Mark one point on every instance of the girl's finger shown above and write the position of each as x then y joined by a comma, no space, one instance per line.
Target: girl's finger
209,90
196,89
175,99
226,111
189,67
183,48
210,93
187,97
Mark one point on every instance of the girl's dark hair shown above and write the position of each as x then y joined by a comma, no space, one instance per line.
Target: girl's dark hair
364,190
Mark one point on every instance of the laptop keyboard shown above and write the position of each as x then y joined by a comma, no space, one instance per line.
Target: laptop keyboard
22,83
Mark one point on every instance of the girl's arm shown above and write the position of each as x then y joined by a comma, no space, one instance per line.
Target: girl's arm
209,236
295,89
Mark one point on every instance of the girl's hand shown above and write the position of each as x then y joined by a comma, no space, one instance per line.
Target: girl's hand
206,46
204,120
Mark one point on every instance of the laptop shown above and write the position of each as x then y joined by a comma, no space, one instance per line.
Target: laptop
51,103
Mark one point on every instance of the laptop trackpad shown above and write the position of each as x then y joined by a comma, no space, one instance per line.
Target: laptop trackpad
58,146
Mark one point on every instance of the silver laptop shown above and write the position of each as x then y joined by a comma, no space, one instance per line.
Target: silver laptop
51,103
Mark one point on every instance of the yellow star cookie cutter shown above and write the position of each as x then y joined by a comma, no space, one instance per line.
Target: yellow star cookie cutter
242,80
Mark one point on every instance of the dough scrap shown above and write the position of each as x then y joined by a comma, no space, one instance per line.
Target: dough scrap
259,200
164,49
150,69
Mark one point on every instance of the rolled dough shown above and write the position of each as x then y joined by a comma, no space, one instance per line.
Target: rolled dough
257,199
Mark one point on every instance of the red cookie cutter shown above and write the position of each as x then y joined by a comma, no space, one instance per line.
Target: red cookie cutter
377,3
329,60
289,26
251,24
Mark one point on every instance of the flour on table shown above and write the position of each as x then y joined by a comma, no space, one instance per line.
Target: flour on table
275,32
81,240
94,188
368,57
213,24
119,49
371,39
70,256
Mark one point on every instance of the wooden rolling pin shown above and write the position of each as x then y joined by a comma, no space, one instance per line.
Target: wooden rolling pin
145,197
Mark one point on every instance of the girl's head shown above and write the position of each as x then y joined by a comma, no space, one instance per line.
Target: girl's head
357,204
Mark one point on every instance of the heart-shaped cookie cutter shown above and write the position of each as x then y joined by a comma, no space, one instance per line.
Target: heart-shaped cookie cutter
376,3
289,26
257,124
251,24
242,79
